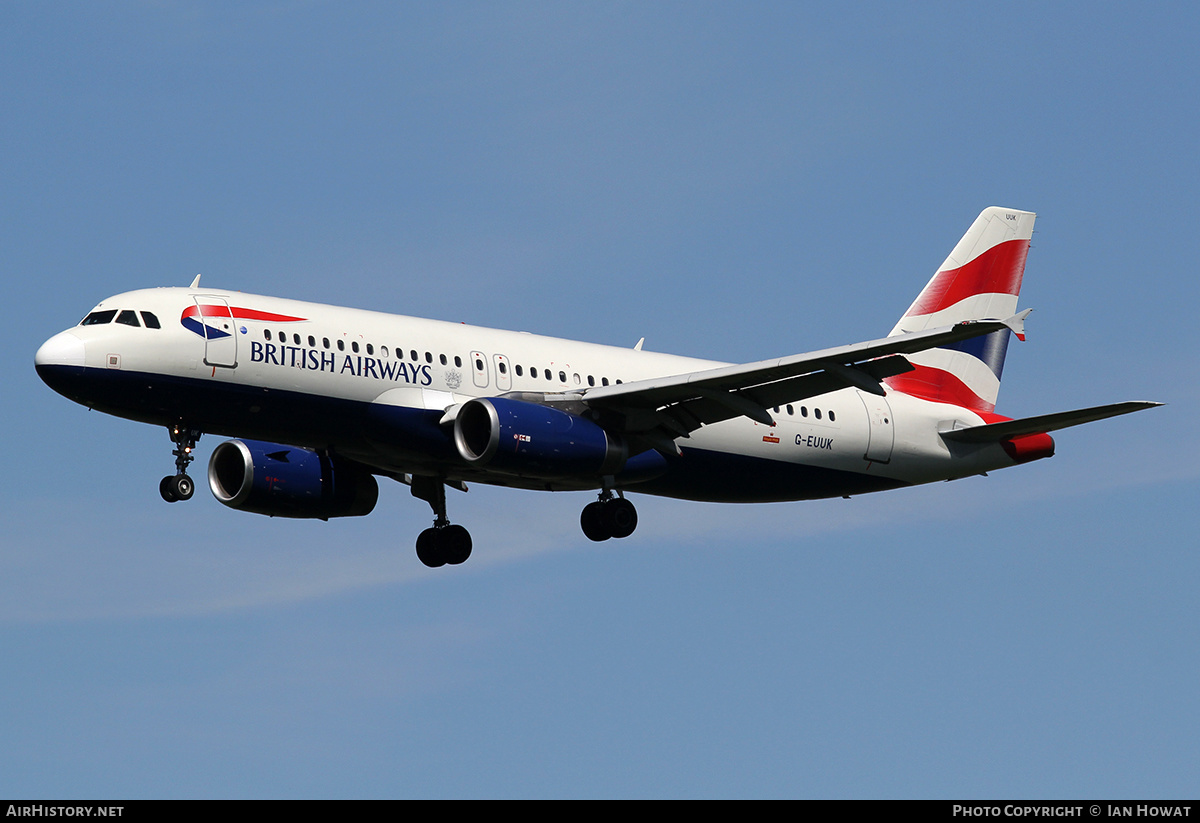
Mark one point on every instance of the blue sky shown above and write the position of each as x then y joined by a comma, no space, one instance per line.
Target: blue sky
735,183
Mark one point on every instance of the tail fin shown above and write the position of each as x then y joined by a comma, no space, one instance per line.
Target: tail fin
980,280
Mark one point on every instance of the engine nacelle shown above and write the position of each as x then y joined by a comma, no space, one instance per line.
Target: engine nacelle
285,481
530,440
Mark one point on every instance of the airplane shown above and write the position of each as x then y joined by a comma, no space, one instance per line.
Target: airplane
322,400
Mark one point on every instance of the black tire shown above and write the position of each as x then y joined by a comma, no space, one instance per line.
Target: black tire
166,489
620,516
456,544
429,549
593,523
183,487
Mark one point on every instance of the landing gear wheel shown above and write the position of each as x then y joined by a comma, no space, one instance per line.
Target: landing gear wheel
608,517
448,545
592,522
179,486
620,517
429,549
456,544
182,486
444,544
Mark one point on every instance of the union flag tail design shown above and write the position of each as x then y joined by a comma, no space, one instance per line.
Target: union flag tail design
980,280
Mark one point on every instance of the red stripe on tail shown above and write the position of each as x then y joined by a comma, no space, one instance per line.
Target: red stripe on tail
997,271
939,386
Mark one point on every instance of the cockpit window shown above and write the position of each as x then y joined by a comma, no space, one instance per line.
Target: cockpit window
150,320
99,318
129,318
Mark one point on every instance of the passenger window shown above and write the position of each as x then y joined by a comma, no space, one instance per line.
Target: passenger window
414,355
341,345
428,357
150,320
817,413
128,318
325,342
831,417
591,380
383,351
519,370
804,411
370,349
790,412
503,368
442,359
603,381
354,347
296,339
562,377
99,318
267,334
458,361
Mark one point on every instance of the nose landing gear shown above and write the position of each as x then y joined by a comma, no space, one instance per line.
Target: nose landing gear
179,486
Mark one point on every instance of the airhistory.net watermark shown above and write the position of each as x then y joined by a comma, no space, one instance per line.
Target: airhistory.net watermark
42,810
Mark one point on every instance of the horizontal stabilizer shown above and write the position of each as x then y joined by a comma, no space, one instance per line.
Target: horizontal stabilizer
994,432
1016,324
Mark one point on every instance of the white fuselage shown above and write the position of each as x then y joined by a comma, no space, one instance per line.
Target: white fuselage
300,372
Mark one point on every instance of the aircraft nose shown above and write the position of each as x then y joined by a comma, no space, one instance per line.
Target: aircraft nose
63,349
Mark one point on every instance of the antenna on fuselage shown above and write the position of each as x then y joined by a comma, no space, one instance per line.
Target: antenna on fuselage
195,283
638,347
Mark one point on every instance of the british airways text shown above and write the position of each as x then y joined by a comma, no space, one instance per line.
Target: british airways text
297,357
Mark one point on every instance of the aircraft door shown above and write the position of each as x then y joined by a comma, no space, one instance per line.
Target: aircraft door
881,433
503,372
220,331
479,369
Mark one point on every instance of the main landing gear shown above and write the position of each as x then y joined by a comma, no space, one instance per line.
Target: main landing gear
444,544
608,517
179,486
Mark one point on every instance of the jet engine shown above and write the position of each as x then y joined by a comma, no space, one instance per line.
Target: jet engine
284,481
531,440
